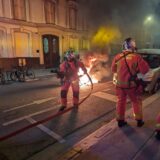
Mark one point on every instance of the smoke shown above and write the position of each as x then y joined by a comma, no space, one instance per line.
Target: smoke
105,35
97,62
127,15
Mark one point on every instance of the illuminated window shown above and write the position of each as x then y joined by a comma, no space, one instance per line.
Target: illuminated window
19,9
50,11
22,44
85,44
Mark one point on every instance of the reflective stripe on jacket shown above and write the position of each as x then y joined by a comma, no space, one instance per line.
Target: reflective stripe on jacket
136,64
70,69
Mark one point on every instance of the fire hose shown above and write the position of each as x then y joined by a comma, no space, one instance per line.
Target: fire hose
14,133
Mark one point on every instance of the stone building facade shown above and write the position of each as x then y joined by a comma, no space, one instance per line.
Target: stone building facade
37,32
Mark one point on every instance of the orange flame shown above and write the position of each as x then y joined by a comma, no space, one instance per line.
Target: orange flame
84,80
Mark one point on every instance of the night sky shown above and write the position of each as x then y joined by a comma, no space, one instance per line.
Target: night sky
122,13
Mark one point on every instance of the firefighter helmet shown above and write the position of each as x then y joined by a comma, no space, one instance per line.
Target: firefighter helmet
69,55
129,44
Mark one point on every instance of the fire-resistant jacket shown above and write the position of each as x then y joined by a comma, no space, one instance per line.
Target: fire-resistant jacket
119,67
70,69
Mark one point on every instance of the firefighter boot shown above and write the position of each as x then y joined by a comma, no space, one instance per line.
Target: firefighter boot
122,123
140,123
62,108
157,135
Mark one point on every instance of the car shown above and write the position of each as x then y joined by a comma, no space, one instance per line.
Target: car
151,79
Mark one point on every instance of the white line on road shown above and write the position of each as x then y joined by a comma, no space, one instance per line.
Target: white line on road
33,114
106,89
30,115
34,102
103,95
47,130
151,99
41,101
106,96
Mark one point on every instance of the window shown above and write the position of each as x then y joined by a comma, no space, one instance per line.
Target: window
72,14
22,44
1,8
72,18
46,45
84,23
19,9
50,8
1,43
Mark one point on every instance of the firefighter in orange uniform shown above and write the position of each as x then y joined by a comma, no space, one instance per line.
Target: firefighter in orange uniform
125,66
157,135
69,68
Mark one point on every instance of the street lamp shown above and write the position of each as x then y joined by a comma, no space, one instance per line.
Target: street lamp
149,18
148,22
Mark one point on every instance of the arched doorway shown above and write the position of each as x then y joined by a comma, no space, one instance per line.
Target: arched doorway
51,51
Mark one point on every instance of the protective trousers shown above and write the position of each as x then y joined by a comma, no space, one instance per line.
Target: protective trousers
75,91
135,99
158,122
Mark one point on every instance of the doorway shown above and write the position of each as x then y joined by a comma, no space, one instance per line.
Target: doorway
51,51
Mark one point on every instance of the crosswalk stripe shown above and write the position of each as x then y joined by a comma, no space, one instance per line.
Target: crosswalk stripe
106,96
47,130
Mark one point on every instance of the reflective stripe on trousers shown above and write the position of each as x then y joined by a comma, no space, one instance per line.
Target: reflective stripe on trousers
64,91
136,102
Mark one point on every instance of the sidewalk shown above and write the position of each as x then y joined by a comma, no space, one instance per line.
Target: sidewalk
39,73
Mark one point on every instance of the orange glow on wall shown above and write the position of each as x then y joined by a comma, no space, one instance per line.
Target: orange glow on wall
22,45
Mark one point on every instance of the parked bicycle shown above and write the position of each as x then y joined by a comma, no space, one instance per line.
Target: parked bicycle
21,72
2,76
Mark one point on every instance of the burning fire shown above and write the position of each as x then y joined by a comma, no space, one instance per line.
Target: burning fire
96,63
84,80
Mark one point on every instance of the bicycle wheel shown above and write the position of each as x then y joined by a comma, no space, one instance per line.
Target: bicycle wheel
13,76
30,73
21,76
2,79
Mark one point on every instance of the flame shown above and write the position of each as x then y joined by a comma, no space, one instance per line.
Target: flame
84,80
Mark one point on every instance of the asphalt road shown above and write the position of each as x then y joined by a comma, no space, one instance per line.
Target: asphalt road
22,104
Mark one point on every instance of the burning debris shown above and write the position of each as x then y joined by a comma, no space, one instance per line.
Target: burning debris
97,65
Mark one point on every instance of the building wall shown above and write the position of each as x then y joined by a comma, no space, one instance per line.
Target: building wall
23,37
36,8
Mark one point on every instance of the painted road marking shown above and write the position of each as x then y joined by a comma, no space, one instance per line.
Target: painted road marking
42,101
151,99
29,115
103,95
105,90
34,102
47,130
106,96
34,114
